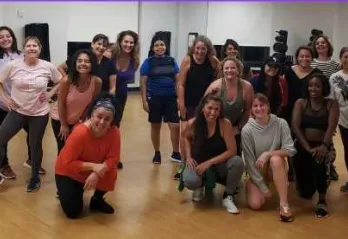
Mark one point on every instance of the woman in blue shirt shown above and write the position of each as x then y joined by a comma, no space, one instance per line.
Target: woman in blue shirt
159,74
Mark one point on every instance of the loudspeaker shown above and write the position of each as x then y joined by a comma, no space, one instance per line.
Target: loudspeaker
41,31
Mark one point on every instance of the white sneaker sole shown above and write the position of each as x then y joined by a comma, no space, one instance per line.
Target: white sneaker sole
175,160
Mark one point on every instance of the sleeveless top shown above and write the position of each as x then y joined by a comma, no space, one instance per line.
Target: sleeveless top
198,79
76,102
315,119
210,147
233,110
124,77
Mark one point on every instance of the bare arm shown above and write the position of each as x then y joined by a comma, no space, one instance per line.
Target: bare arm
248,100
214,87
333,121
185,65
296,124
217,66
112,84
62,68
143,87
62,96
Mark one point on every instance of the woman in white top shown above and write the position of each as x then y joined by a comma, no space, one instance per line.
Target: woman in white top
28,102
339,91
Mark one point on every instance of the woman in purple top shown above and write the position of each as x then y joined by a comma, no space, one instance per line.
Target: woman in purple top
126,60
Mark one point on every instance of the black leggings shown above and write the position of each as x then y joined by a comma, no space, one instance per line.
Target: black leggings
70,194
344,138
311,176
4,162
12,124
56,129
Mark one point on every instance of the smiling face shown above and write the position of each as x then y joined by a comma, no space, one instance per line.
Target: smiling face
127,44
271,71
83,64
99,47
211,110
101,121
159,48
322,46
200,50
32,49
230,70
304,58
259,109
344,60
315,88
6,40
231,51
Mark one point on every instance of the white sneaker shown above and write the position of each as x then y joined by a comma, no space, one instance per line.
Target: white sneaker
197,195
229,205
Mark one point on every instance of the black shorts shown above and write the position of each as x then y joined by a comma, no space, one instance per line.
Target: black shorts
163,107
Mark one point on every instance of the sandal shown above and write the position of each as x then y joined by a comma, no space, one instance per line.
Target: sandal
285,213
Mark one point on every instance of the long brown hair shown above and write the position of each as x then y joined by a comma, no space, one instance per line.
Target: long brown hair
135,54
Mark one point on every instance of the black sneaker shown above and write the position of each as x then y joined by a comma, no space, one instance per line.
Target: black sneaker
321,210
33,184
98,204
157,158
177,176
176,157
333,173
120,165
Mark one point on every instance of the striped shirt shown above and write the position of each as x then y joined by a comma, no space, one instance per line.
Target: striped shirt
327,67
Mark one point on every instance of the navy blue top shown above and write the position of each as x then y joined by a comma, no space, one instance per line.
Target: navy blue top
161,72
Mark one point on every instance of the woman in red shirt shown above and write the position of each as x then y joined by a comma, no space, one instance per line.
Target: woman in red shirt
89,161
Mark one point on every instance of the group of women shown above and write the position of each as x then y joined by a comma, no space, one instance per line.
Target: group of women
223,120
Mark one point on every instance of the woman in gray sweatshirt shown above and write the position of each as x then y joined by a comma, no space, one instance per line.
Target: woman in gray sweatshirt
266,144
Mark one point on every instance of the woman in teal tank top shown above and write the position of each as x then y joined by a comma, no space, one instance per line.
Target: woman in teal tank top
236,93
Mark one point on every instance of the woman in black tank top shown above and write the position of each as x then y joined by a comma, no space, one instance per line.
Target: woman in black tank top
211,153
314,122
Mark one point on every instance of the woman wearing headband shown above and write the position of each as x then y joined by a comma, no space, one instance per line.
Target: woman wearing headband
89,160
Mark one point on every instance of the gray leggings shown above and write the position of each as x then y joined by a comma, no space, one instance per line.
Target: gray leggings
231,171
13,123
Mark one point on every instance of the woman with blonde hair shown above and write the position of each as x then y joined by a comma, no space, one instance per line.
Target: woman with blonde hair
28,102
237,95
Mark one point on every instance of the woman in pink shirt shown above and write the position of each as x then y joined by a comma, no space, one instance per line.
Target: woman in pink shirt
76,92
28,102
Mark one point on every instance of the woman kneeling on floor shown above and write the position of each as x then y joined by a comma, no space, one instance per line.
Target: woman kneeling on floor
266,144
211,153
89,161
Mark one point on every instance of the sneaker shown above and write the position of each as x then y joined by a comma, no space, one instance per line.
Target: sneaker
321,210
176,157
333,173
99,204
157,158
344,188
285,213
27,164
2,180
33,184
197,195
7,172
228,203
120,165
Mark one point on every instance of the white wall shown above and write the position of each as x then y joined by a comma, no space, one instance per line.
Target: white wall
248,23
340,28
72,21
155,17
1,14
300,18
193,17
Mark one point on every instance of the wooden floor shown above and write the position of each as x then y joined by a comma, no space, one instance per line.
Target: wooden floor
147,203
